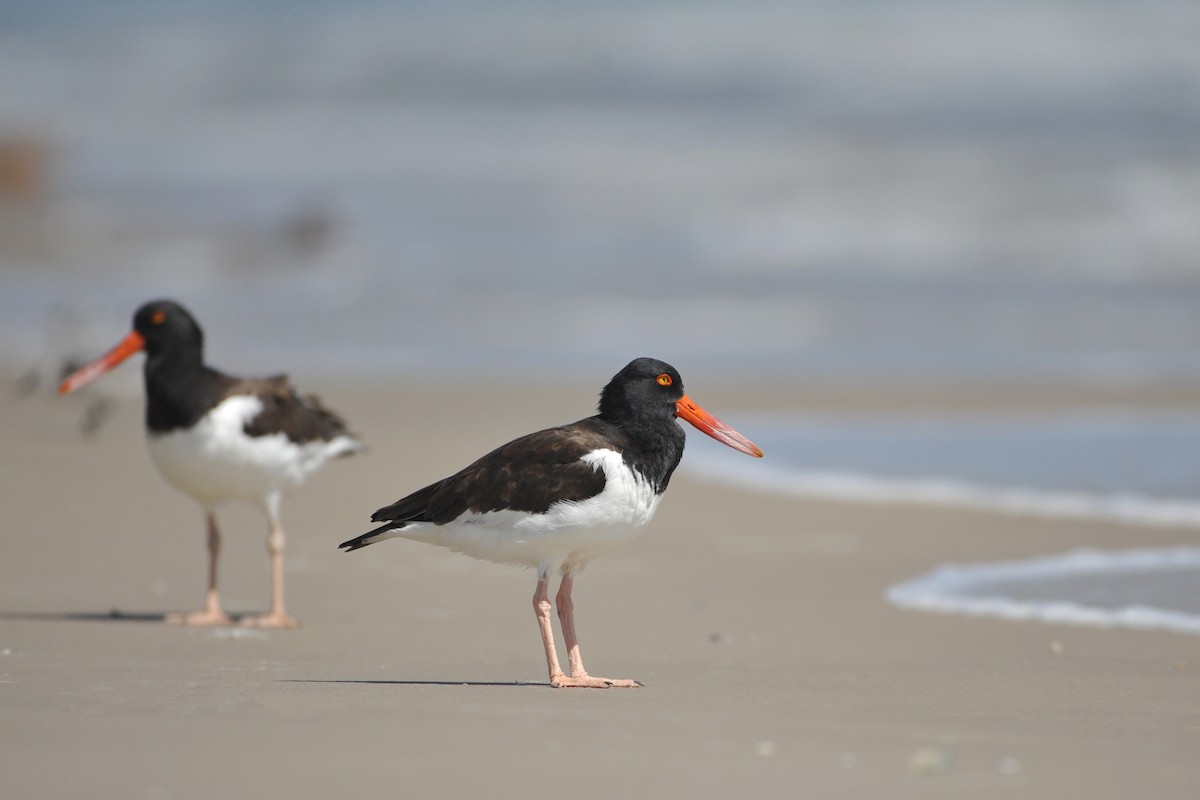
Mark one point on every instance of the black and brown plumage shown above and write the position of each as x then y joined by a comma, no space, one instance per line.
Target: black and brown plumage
217,437
555,499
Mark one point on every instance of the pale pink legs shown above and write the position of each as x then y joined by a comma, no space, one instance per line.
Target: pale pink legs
276,617
566,615
211,614
542,609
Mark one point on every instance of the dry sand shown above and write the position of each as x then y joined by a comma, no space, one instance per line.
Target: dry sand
773,667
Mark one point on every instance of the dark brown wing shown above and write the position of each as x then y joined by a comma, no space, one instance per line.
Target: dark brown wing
302,418
527,474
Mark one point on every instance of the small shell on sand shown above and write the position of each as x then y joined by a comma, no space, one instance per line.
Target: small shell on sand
930,761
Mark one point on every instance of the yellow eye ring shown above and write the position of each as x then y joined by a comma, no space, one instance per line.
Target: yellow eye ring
664,380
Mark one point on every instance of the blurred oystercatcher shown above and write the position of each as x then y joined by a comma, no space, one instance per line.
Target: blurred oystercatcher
217,437
558,498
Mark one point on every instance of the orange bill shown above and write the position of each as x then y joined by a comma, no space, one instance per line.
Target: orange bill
133,343
707,423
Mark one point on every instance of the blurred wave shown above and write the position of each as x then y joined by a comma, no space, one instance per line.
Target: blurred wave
1143,589
877,191
1135,467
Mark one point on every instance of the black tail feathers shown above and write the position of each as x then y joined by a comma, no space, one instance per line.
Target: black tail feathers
367,538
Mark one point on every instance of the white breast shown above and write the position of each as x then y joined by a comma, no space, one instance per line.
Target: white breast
215,460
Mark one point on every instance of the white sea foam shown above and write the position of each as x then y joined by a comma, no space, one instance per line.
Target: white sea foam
861,488
986,589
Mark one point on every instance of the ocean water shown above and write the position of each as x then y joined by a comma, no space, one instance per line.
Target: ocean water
1139,468
876,192
879,193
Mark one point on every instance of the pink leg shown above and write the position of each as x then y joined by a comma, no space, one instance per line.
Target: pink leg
541,609
277,617
211,614
566,617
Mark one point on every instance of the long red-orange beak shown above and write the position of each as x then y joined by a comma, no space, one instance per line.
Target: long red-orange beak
707,423
133,343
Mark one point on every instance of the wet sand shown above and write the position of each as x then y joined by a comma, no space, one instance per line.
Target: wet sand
772,665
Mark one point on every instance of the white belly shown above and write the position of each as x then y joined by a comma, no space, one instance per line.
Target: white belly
215,460
569,533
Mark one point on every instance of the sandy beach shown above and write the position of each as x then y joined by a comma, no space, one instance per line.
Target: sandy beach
772,665
903,211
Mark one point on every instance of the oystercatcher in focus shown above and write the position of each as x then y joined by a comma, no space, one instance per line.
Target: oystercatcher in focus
217,437
556,499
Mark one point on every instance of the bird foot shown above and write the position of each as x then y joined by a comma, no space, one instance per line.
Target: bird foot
586,681
275,619
199,618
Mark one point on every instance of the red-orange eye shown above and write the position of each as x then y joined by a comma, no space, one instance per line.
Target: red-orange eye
664,380
158,317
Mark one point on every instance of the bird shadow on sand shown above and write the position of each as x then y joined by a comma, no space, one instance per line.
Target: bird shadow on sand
377,682
117,615
114,615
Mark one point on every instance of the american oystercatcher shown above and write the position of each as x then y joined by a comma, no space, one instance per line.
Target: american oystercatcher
556,499
217,437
